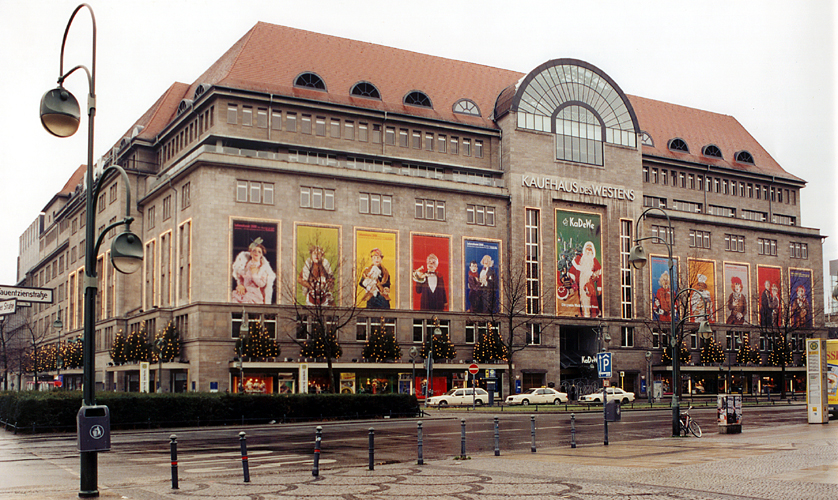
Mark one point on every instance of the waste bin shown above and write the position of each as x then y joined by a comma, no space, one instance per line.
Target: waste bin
612,411
94,428
729,413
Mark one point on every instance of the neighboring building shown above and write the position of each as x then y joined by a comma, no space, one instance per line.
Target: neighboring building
301,140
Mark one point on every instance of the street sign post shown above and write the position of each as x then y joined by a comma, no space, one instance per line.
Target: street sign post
473,369
24,294
603,363
8,306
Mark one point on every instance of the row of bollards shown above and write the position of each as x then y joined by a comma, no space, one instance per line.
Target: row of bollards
318,440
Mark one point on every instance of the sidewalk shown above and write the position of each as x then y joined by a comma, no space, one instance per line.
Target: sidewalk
782,462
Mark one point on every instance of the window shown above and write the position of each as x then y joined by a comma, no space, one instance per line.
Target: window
755,216
291,122
786,220
532,250
480,215
417,98
305,124
276,120
686,206
417,139
255,192
186,195
317,198
102,202
232,114
429,141
114,192
466,107
533,334
375,204
744,157
466,147
678,145
442,143
682,178
578,135
319,126
626,302
799,250
626,336
376,134
247,116
475,330
767,247
663,177
455,146
654,201
478,148
721,211
349,130
645,174
365,327
267,320
150,217
365,89
430,209
311,81
167,207
334,128
712,151
390,136
663,233
655,174
363,132
403,137
734,243
699,239
423,329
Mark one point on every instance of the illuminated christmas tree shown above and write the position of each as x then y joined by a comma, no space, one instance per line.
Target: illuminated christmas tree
746,353
72,354
259,343
442,346
323,343
489,346
683,355
775,357
382,345
136,346
167,342
712,352
118,349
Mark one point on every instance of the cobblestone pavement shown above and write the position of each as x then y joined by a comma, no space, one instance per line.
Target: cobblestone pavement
785,462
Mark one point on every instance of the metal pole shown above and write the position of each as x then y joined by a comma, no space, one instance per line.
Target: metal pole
572,430
245,465
497,439
421,460
173,443
372,448
676,348
318,437
532,432
605,412
462,438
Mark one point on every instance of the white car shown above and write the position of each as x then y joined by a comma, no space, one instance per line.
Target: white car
461,396
612,393
539,396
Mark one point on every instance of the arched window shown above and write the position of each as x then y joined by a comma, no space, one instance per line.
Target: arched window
417,98
678,145
310,81
744,157
579,135
712,150
646,139
466,107
365,89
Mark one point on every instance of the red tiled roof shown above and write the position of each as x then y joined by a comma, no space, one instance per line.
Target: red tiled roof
74,180
664,121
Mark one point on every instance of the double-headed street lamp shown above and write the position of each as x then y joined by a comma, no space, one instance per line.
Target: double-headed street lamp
637,259
60,116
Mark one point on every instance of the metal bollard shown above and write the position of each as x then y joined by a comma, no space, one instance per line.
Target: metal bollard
497,439
318,437
245,466
419,425
572,430
462,438
173,443
532,432
372,448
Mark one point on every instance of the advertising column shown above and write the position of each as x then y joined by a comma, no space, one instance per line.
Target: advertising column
816,401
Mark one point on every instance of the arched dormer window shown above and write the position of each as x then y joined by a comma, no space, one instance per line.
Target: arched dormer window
712,151
365,89
417,98
646,139
466,107
200,90
184,106
310,81
678,145
744,157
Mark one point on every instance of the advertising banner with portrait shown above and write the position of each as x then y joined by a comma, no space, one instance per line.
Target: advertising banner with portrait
737,288
431,271
376,260
663,288
800,298
578,264
482,276
317,265
701,276
769,299
254,254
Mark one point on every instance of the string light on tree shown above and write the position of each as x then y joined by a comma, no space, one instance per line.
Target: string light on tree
382,345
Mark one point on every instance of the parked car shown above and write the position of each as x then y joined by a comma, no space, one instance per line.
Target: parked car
461,396
612,393
538,396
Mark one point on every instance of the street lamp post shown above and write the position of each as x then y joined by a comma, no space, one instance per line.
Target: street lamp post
244,328
637,259
60,116
59,360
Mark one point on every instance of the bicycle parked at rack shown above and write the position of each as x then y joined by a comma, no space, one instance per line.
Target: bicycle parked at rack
688,424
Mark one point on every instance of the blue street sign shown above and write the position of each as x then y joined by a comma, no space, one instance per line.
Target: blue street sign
603,364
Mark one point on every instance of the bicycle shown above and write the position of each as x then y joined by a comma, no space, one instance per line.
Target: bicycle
688,424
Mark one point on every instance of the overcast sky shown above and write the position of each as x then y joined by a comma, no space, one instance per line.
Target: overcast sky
769,64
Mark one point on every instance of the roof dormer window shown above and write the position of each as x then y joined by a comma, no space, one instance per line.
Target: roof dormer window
646,139
466,107
712,150
417,98
678,145
744,157
310,81
365,89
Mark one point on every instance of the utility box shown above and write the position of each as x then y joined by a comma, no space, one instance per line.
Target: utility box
729,413
94,428
612,411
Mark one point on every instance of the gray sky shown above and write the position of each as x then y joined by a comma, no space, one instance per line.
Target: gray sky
769,64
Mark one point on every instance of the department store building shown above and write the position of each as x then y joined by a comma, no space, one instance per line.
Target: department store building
384,163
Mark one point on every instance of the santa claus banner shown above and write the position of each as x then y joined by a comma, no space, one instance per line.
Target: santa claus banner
578,264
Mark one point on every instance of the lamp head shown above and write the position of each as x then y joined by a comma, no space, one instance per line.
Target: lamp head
127,253
60,112
637,257
704,330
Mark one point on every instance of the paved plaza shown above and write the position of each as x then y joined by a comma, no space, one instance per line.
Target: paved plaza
788,462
